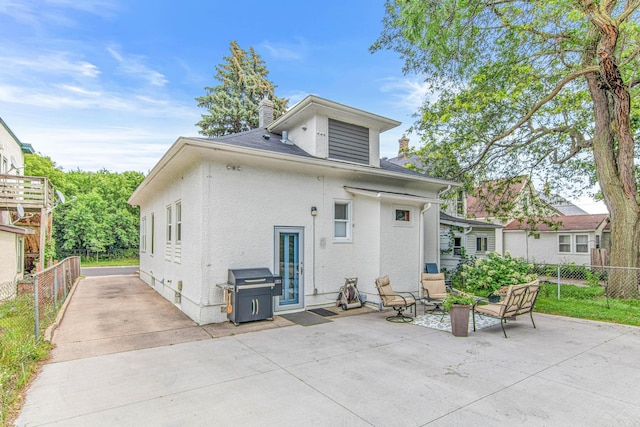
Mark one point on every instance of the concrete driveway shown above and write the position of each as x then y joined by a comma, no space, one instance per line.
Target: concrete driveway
125,356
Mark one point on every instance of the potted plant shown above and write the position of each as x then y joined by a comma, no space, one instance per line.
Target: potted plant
499,294
458,305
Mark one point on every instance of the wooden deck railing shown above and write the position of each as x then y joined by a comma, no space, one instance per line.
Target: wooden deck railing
32,192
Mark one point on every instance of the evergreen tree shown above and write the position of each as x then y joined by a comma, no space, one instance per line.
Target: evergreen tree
233,105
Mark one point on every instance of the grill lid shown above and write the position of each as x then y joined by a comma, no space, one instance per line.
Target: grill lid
241,276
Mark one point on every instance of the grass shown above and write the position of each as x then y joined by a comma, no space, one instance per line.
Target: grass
110,262
19,353
587,303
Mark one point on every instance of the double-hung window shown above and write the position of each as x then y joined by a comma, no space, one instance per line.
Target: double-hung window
564,243
169,224
482,244
153,232
582,243
342,217
143,234
178,222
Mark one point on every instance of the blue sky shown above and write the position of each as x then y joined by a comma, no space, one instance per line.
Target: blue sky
111,83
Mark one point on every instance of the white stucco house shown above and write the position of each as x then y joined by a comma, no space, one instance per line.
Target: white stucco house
306,196
459,236
558,240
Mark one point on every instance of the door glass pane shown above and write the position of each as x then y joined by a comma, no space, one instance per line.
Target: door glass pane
289,268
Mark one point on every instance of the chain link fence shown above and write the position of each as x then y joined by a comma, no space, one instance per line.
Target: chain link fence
26,309
607,281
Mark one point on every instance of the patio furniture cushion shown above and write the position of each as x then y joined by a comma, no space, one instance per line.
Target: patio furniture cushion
433,285
520,299
390,298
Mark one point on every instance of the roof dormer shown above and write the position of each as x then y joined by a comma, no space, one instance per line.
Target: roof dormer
329,130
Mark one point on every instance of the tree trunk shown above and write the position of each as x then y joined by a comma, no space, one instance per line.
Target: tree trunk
613,151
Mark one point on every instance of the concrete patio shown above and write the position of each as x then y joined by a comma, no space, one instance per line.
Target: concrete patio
147,364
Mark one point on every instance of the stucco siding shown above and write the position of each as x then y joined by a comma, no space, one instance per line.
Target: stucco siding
545,249
8,260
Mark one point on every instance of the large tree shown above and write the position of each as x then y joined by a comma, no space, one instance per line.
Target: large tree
546,87
233,105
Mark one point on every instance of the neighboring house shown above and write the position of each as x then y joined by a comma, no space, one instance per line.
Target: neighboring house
499,201
461,237
305,195
562,205
11,258
13,199
569,240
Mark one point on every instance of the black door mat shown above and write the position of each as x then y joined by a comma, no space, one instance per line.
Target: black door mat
323,312
304,318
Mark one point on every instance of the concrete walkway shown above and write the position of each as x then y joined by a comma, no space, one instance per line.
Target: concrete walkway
125,356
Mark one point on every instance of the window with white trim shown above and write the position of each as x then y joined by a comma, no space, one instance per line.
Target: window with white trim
582,243
564,243
20,255
342,220
178,222
169,224
153,232
482,244
143,234
457,245
402,215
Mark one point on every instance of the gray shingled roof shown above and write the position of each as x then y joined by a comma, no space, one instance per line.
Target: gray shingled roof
471,222
262,139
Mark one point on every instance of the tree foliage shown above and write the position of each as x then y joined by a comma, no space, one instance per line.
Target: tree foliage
96,218
233,105
547,88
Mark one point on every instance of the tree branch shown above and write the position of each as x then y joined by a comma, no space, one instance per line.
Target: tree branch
532,111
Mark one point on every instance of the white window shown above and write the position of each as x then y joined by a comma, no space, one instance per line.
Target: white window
457,245
564,243
402,215
143,234
153,232
482,243
342,221
168,224
178,222
460,204
582,243
20,255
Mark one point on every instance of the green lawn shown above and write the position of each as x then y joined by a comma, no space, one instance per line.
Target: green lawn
587,303
115,262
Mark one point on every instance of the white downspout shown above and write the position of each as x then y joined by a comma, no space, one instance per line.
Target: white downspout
422,237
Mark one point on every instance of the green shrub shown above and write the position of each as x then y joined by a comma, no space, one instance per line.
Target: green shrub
487,275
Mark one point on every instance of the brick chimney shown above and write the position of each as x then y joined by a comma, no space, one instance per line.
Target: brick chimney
265,112
404,146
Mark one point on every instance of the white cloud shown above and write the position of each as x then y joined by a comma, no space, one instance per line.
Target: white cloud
116,55
408,93
47,63
35,14
134,65
285,52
